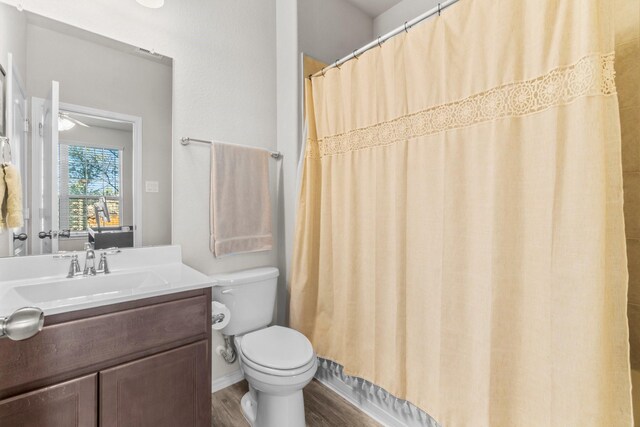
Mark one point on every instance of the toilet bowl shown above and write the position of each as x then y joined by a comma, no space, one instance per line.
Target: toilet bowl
277,362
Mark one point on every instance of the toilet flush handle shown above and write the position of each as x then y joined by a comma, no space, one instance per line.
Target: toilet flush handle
227,291
217,318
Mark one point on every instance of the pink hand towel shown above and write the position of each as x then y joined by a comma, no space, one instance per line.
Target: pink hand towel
240,201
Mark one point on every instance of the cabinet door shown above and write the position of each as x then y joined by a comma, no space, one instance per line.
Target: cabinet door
169,389
72,403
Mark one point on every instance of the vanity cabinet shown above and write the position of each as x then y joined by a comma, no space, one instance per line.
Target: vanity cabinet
71,403
138,363
169,390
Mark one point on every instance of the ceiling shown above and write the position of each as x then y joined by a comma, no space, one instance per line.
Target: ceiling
374,8
59,27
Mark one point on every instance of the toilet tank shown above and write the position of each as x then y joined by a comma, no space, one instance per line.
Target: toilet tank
250,296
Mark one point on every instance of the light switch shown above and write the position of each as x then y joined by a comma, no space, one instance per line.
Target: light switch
151,186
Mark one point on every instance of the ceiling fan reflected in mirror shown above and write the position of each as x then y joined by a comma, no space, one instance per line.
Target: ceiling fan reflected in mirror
152,4
66,122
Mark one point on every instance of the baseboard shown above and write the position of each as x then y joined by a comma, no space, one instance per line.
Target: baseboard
226,380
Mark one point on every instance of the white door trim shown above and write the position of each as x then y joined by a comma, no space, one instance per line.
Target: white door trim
36,174
15,89
8,127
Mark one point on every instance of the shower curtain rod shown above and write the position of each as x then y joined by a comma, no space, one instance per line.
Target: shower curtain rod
381,39
186,141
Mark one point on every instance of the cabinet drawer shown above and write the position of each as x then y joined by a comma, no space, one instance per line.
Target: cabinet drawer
77,347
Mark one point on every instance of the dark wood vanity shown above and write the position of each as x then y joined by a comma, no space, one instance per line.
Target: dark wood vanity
138,363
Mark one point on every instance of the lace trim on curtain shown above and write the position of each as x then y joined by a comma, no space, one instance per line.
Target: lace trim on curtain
591,75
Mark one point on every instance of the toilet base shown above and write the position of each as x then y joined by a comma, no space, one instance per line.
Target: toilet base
248,406
267,410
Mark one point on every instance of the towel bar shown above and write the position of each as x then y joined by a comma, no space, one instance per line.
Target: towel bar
186,141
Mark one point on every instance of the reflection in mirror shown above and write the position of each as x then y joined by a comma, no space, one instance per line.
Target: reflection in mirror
88,123
94,161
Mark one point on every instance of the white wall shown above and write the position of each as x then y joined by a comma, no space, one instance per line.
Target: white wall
97,76
331,29
401,13
224,86
13,39
288,118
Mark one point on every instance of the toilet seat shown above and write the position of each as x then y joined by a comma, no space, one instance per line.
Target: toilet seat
277,351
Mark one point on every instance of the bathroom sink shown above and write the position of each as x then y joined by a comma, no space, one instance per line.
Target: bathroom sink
136,273
76,290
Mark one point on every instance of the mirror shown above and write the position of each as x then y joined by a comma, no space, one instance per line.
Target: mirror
85,122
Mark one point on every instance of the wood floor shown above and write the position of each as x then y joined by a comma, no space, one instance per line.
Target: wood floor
323,408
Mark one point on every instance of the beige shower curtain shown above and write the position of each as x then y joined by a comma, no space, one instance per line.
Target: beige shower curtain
460,237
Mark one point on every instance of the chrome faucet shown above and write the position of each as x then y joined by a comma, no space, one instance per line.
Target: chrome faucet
74,268
89,263
103,266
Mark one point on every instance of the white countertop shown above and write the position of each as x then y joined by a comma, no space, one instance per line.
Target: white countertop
40,281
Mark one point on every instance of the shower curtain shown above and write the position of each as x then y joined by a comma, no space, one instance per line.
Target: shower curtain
460,237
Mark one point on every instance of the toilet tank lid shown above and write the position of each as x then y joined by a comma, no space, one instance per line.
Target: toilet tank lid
244,276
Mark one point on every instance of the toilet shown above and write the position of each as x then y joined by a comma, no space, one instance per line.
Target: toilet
277,362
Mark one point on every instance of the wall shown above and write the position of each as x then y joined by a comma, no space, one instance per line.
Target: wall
287,60
224,86
105,137
331,29
97,76
13,39
402,12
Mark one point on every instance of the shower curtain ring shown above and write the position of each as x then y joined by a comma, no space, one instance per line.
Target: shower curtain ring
322,71
439,10
336,64
405,27
379,44
354,54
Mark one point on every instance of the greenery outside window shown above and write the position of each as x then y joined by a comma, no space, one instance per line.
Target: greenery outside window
85,174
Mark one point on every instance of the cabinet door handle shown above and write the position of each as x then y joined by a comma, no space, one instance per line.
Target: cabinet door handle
22,324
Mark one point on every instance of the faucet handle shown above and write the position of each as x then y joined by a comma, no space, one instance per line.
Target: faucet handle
75,264
74,267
